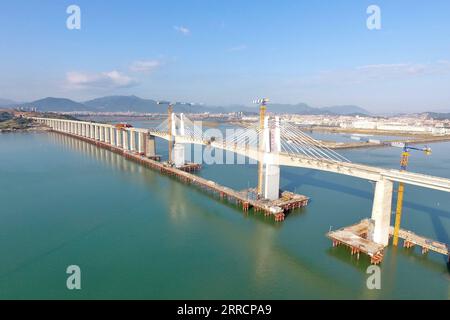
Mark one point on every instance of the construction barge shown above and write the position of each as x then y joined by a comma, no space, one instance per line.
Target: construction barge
355,237
275,208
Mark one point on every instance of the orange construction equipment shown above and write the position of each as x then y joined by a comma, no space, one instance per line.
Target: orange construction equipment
123,125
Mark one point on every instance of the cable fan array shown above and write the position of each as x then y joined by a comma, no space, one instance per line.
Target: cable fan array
293,140
297,143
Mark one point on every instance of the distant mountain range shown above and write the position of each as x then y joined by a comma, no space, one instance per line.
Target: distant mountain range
437,115
136,104
6,102
54,104
303,108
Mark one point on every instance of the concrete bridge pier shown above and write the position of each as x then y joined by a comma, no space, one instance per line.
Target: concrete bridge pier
381,212
102,133
125,140
271,184
141,143
107,134
178,155
112,134
150,150
178,152
271,170
132,140
118,137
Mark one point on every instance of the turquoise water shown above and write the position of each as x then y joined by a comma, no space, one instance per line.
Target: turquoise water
138,234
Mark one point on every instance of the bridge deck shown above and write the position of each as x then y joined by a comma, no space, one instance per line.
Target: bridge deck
351,169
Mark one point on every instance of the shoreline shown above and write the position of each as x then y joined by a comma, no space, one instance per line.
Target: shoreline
384,144
28,129
372,132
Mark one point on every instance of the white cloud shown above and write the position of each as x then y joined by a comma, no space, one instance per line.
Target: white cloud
402,70
241,47
104,80
183,30
376,72
398,69
145,65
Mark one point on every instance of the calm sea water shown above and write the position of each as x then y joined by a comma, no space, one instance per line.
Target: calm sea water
138,234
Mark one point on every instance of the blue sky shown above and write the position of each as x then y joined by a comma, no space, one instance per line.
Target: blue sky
229,52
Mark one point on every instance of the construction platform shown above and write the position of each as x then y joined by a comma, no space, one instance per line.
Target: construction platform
288,200
187,167
275,208
156,158
411,239
355,237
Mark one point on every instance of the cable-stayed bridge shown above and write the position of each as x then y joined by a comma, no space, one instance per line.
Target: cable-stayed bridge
272,143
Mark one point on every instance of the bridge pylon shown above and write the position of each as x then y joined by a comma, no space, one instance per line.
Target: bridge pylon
176,149
262,122
269,146
271,167
178,154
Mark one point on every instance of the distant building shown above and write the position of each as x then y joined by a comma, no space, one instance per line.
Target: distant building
364,124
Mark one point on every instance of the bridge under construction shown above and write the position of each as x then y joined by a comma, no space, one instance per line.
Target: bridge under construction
143,152
273,144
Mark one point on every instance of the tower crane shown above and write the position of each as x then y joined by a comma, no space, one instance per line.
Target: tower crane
404,160
262,113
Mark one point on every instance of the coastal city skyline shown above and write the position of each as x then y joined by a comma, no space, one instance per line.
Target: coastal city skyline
292,52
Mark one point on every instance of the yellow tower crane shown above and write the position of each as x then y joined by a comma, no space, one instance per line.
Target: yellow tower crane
262,113
401,187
